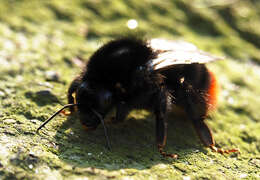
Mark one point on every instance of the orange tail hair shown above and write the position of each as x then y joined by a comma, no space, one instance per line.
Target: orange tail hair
213,92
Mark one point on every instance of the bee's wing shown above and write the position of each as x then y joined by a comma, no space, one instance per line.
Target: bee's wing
166,60
177,52
167,45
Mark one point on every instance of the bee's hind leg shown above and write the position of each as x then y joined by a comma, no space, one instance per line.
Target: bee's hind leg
206,137
197,114
203,131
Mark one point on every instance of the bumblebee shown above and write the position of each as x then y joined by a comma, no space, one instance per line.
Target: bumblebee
156,75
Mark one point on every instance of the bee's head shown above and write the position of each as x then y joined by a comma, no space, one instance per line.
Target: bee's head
92,104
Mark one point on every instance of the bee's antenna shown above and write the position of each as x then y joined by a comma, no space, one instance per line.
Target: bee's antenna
55,114
105,129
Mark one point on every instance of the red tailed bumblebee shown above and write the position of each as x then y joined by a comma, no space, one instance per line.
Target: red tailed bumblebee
130,73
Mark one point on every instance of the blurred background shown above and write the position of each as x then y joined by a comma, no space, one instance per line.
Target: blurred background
228,25
44,44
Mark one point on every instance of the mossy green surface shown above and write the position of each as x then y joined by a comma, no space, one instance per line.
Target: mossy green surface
38,38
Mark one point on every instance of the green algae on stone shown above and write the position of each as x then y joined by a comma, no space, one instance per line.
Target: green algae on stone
42,36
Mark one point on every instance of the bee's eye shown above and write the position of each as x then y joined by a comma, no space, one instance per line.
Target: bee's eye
83,86
83,94
140,68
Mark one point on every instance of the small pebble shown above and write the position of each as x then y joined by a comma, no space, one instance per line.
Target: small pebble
196,150
9,45
162,166
77,61
30,166
230,100
186,177
243,175
34,121
242,126
9,121
46,84
19,78
2,94
52,76
8,91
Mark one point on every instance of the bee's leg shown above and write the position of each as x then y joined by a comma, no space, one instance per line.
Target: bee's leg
161,124
121,112
161,135
203,131
197,111
206,136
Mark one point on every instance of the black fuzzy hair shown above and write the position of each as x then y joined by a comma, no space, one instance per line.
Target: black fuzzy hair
117,76
116,60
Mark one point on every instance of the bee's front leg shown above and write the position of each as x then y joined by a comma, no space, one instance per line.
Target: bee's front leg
122,111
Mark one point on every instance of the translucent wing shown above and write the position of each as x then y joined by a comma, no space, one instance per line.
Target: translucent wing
166,45
177,52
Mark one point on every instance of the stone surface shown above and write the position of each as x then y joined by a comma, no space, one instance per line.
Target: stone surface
42,36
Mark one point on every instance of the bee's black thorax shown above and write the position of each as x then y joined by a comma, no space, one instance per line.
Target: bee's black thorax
116,62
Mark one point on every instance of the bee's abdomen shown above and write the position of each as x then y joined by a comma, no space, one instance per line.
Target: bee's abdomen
193,81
